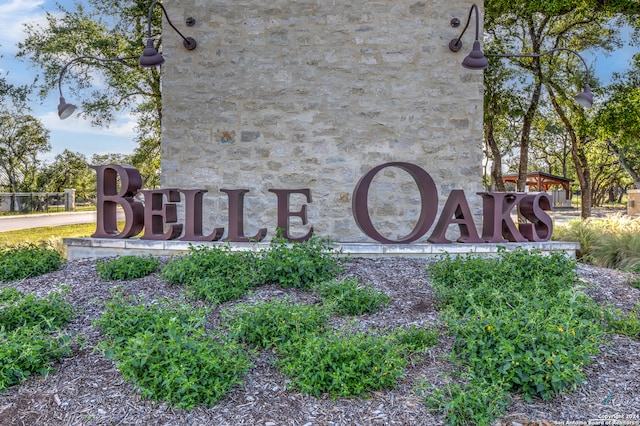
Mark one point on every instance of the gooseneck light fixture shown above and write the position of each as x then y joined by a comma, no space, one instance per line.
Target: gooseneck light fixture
150,56
65,110
477,60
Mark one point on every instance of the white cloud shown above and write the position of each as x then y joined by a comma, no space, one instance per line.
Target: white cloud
123,127
77,135
13,15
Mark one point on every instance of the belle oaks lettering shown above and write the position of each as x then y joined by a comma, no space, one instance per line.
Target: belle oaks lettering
157,216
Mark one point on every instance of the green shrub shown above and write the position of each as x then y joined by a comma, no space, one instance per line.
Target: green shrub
30,334
215,274
17,310
28,350
217,289
124,316
163,349
299,265
476,403
28,260
518,320
339,363
184,369
126,267
273,324
414,339
466,282
10,295
343,365
349,297
624,323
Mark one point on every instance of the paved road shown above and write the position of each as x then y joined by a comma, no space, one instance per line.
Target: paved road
12,223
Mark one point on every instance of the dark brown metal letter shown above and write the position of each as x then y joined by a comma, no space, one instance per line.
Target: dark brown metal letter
498,226
533,208
108,199
236,218
457,206
157,214
428,196
193,217
284,213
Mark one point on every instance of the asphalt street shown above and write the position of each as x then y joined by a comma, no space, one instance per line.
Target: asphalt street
12,223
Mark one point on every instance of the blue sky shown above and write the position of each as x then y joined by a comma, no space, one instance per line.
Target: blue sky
74,134
78,135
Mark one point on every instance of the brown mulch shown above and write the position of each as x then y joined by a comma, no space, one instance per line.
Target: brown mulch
87,389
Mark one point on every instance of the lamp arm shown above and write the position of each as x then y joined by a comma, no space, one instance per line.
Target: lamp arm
166,16
93,58
456,43
537,55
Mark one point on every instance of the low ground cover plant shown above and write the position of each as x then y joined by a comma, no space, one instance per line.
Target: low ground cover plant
272,324
318,360
126,267
475,402
28,260
624,323
299,265
31,334
341,363
414,340
217,274
163,349
520,324
349,297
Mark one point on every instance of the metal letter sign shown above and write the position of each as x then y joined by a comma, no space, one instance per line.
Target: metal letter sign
108,199
428,198
158,215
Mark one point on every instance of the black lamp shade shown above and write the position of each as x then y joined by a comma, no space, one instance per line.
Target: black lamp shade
476,59
65,110
150,57
585,98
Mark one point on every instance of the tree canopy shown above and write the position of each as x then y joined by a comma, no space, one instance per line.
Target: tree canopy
618,120
547,82
103,29
22,139
530,117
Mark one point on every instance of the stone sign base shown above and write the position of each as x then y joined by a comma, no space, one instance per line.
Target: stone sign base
80,248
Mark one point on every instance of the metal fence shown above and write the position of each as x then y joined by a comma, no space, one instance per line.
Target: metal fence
34,202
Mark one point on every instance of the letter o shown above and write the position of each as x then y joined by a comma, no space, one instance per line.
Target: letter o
428,198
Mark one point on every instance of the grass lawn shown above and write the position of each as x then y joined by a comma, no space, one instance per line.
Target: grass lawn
46,234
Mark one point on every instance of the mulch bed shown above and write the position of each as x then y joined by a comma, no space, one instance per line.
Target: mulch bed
87,389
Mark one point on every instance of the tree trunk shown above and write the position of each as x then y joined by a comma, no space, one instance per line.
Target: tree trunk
625,165
496,165
525,137
579,158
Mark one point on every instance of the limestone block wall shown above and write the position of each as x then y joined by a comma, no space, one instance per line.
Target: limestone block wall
286,94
